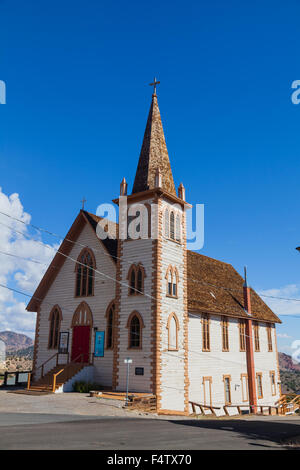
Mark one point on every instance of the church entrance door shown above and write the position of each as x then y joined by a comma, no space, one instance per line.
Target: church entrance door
81,344
82,323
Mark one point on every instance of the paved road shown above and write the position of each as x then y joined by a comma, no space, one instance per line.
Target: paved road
42,431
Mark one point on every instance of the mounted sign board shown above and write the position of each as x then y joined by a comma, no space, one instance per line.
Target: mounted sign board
63,342
99,344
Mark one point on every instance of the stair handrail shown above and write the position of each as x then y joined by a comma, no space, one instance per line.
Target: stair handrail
54,379
81,355
49,359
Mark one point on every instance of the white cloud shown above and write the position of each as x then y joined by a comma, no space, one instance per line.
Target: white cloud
283,307
19,273
283,335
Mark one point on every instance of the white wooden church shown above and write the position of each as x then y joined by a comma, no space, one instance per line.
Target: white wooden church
193,328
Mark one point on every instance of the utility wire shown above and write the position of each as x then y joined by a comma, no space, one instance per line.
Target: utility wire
40,229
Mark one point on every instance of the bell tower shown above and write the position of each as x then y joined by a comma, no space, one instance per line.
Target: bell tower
151,299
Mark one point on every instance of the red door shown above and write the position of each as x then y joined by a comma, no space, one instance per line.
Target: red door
81,343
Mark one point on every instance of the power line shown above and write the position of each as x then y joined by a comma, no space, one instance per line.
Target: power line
40,229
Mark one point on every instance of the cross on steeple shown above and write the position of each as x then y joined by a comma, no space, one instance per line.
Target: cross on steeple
83,202
154,85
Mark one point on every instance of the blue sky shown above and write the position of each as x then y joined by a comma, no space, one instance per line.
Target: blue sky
77,77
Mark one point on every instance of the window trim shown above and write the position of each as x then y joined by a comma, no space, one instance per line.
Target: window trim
256,336
225,333
207,378
110,309
173,315
78,266
227,377
245,393
259,374
269,337
176,224
242,334
205,321
51,335
174,273
136,268
133,314
273,389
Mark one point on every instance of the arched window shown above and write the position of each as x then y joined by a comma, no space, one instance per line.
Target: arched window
172,281
135,324
172,226
178,228
132,282
85,273
55,318
173,328
139,281
167,223
110,326
83,316
136,275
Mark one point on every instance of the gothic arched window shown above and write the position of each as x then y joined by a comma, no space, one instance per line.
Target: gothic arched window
132,282
172,226
54,328
172,281
178,228
85,273
167,223
173,327
135,324
136,275
110,326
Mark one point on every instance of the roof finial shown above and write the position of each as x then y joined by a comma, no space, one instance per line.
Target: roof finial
83,202
154,85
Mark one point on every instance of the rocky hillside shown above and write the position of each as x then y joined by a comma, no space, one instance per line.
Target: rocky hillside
15,341
286,362
289,374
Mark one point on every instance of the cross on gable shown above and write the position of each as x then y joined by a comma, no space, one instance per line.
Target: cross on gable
83,202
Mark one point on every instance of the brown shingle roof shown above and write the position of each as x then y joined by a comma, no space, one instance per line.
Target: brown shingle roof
154,154
110,244
66,246
204,273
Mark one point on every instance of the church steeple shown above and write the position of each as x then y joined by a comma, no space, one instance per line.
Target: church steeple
154,155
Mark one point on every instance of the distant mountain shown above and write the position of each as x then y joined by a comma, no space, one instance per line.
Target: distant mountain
286,363
27,352
15,341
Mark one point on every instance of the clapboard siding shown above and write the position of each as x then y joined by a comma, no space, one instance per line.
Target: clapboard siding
134,252
217,363
62,292
172,362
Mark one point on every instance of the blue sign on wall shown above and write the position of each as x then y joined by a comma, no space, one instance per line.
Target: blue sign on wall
99,344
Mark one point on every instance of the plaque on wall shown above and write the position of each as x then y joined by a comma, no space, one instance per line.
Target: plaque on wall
63,342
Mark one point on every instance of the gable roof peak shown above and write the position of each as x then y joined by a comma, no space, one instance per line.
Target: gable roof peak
154,155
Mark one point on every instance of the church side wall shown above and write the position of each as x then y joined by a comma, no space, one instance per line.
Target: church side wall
215,363
62,293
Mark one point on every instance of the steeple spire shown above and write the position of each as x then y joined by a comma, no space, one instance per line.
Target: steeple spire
154,155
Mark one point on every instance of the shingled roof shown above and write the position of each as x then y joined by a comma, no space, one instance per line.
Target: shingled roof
154,155
205,294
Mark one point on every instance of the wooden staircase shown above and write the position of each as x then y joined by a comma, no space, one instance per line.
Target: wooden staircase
62,373
56,377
